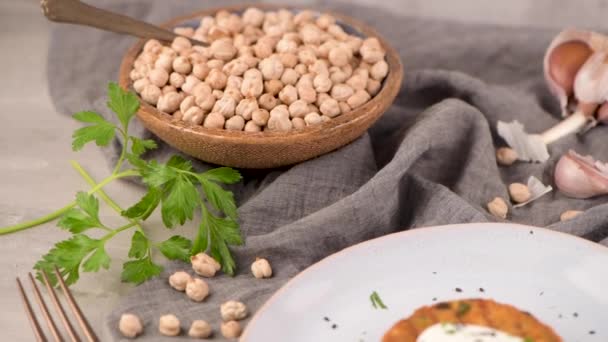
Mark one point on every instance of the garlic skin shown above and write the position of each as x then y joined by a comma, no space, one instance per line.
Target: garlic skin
581,176
591,82
568,36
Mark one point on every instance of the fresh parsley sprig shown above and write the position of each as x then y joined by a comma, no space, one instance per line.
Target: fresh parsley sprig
174,186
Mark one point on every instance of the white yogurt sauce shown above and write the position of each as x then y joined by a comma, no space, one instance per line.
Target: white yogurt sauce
448,332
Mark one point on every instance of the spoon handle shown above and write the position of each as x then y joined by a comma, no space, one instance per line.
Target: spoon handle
76,12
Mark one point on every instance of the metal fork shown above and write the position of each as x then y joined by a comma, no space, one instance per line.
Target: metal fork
82,321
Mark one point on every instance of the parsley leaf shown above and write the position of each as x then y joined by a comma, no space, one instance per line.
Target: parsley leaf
139,246
146,205
97,260
140,146
463,308
179,200
67,256
222,200
123,103
377,302
87,217
176,247
216,234
101,131
224,175
140,270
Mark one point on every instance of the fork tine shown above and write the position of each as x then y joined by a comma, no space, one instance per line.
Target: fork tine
45,311
82,321
30,314
59,308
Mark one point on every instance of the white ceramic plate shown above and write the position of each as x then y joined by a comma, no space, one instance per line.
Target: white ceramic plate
559,278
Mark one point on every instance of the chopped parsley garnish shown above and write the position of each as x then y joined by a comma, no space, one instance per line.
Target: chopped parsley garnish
376,301
463,308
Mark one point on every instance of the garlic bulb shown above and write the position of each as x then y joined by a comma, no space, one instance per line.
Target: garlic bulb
581,176
591,82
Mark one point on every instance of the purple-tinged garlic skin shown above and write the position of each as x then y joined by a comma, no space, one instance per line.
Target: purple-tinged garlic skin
567,50
602,113
581,176
591,82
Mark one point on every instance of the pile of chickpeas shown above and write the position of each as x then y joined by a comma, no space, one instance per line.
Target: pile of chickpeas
262,71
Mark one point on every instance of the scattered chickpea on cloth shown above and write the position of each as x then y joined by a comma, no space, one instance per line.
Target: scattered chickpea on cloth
260,61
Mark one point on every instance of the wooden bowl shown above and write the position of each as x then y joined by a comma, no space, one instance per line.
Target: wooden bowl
267,149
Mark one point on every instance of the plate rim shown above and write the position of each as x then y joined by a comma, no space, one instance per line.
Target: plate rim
410,232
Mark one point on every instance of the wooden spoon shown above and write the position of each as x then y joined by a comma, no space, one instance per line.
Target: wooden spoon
76,12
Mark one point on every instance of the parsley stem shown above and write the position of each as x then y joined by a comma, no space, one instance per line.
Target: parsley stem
87,177
123,153
56,214
117,230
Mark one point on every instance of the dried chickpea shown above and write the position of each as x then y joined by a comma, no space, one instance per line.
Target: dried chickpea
358,98
312,108
379,70
235,67
186,103
197,289
298,109
273,87
344,107
312,119
569,215
311,34
201,90
307,93
298,123
148,58
158,77
150,94
168,325
178,280
140,84
330,108
130,325
168,89
184,31
206,102
215,64
271,68
216,32
169,102
200,70
231,23
325,20
218,94
337,32
253,16
251,61
235,93
260,117
250,126
152,45
276,123
307,55
322,83
181,44
506,156
359,79
223,49
341,92
231,329
164,62
216,79
373,87
195,57
135,75
290,76
301,69
267,101
235,123
178,115
371,51
319,67
337,75
193,115
214,120
286,46
262,50
322,51
234,82
354,43
190,83
182,65
305,16
225,106
288,94
325,118
200,329
252,87
322,97
176,79
246,107
340,56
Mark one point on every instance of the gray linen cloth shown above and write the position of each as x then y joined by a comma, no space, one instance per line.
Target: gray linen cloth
428,161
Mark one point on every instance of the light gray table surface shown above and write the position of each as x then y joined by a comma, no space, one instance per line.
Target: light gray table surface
35,175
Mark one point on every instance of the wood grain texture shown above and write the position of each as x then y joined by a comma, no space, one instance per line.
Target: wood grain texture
267,149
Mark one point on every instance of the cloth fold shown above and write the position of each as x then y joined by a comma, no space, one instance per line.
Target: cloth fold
428,161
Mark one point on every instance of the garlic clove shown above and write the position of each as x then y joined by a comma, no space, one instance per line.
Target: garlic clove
581,176
565,56
602,113
591,82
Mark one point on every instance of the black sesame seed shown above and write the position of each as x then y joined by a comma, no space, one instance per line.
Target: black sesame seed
443,306
541,293
334,326
458,289
434,272
575,314
591,332
326,319
481,289
434,299
559,316
531,232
